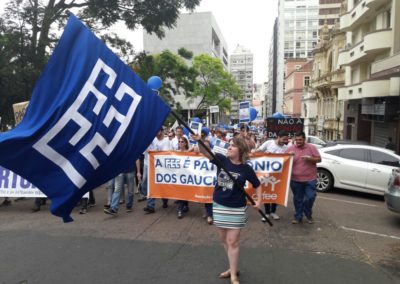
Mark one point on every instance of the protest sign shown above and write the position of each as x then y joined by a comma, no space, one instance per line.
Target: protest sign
220,146
244,112
190,176
290,125
19,111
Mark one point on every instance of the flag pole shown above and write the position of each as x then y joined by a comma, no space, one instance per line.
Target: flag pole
219,164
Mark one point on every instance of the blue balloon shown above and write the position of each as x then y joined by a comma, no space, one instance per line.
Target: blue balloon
205,130
154,82
253,113
196,119
278,115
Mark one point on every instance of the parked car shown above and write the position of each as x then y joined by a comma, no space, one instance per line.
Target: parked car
356,167
392,194
318,142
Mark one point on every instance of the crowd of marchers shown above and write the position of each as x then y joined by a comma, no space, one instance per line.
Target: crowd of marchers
122,189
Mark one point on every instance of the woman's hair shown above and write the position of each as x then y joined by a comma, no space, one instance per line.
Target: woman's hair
186,142
243,148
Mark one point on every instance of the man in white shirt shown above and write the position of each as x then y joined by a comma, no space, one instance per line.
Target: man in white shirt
178,135
279,145
160,143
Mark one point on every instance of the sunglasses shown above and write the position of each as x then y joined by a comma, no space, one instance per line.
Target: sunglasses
182,141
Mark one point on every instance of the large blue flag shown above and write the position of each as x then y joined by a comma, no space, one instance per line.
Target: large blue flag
89,118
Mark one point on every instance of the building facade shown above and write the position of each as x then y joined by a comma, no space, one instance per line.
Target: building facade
271,96
297,36
329,12
298,77
241,68
327,78
371,59
309,111
196,32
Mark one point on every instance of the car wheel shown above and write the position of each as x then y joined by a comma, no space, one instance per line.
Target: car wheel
324,180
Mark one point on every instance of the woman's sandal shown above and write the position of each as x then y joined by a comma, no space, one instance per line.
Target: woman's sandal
235,281
227,274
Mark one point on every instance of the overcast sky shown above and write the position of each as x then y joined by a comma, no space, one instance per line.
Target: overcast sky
245,22
248,23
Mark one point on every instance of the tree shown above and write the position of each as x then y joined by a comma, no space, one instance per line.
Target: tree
27,33
215,86
177,76
153,15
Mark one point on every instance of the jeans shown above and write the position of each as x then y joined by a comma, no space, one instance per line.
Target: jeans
270,208
209,208
304,194
110,190
183,205
119,187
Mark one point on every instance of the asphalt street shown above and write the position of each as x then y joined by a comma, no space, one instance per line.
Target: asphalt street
355,240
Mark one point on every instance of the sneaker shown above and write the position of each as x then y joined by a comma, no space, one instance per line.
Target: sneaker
274,216
6,202
106,206
83,211
295,221
310,220
149,210
180,215
129,210
92,204
142,199
110,211
209,220
263,219
35,209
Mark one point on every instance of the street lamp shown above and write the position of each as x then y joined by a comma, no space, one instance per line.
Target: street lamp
338,116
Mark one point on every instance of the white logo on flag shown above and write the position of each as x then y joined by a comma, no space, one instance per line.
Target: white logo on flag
72,114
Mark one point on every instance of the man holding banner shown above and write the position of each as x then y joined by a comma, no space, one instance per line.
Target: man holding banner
278,145
304,177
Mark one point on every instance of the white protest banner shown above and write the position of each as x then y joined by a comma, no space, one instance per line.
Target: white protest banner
12,185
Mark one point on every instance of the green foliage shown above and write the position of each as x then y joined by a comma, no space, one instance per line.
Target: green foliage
215,85
27,35
176,75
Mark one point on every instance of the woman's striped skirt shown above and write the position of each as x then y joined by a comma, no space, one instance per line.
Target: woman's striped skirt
229,217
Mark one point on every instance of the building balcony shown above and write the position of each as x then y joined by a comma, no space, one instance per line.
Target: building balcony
352,55
373,4
366,89
378,41
360,14
385,64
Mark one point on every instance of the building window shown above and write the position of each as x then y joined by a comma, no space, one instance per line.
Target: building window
306,81
387,15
